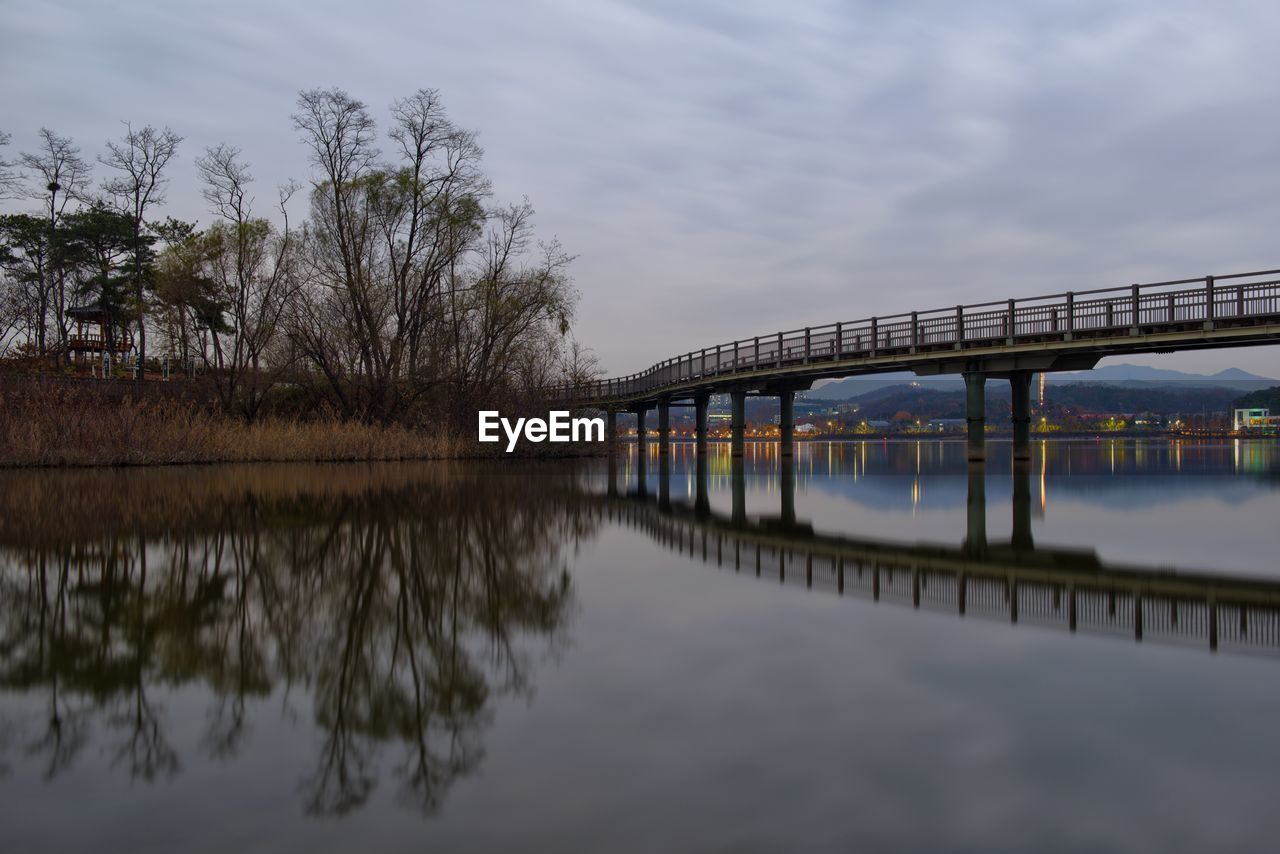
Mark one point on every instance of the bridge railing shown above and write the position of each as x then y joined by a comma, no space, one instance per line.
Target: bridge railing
1106,311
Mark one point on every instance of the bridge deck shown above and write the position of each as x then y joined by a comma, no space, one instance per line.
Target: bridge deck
1058,332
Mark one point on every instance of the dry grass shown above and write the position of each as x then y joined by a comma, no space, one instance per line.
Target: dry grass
50,423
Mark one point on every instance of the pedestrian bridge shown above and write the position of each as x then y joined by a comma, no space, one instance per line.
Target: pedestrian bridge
1015,581
1011,339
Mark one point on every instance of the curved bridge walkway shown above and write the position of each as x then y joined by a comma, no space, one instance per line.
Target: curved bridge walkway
1011,339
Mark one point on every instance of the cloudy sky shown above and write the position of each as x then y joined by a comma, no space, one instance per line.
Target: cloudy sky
723,169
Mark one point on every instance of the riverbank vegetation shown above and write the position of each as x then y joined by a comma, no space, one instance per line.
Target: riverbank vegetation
57,423
404,297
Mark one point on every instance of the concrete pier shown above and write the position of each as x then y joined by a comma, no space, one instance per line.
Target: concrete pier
702,489
1021,539
787,490
738,481
664,427
975,540
664,481
642,472
787,423
976,413
738,421
700,423
641,436
1020,386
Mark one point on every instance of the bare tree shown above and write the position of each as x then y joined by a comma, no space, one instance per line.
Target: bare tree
249,261
11,311
506,307
580,365
10,177
60,178
427,229
139,160
385,241
340,133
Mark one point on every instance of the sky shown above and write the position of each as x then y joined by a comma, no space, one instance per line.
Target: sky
726,169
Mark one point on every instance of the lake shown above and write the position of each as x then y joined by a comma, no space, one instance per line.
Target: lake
874,646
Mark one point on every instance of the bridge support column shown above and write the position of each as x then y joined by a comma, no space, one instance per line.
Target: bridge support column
642,473
738,422
787,423
1020,386
787,490
975,540
611,427
664,482
700,423
738,481
664,427
1021,539
976,414
641,434
702,499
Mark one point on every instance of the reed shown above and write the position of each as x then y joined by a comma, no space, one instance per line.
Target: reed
51,423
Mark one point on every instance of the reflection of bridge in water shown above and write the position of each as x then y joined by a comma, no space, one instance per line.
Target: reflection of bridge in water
1015,580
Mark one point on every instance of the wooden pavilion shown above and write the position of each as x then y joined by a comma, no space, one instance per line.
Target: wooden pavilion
96,332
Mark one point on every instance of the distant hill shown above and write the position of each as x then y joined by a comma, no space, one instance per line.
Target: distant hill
1267,398
1125,373
851,387
1101,398
1122,375
1163,398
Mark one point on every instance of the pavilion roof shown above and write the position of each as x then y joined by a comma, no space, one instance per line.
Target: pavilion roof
93,311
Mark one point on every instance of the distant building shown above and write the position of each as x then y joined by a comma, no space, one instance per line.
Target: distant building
1253,419
942,425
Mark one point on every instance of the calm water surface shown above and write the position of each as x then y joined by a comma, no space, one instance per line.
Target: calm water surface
875,647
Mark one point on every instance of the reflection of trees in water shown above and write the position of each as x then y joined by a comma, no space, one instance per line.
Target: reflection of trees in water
401,610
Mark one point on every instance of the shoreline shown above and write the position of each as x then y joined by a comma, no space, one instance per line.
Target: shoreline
50,424
464,451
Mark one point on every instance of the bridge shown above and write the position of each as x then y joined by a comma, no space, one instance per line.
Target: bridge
1012,339
1014,581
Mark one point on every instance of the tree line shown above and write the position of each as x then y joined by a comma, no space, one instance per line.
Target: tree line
406,288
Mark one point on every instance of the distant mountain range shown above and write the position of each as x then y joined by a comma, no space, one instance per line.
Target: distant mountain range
1122,374
918,401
